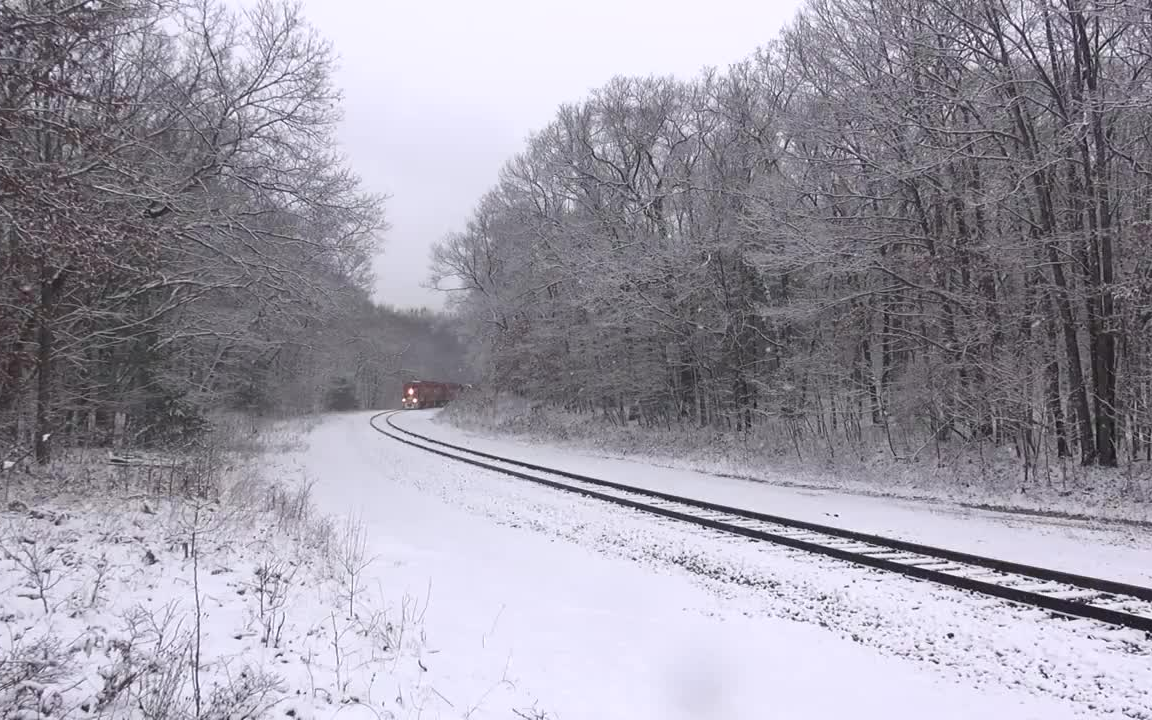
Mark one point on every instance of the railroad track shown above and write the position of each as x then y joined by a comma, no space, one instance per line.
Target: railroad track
1066,594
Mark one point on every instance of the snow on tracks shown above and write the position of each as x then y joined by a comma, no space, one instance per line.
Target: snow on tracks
1103,671
1072,595
1081,547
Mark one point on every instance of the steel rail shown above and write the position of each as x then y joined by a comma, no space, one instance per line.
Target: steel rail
870,559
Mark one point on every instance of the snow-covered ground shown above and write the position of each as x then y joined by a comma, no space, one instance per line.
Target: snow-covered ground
431,589
113,587
539,604
1117,552
970,476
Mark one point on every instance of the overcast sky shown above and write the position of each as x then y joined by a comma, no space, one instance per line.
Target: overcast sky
438,95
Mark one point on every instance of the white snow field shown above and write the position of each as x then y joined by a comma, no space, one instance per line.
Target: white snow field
112,588
534,603
1116,551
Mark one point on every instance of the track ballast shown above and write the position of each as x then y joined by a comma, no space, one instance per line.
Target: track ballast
1067,594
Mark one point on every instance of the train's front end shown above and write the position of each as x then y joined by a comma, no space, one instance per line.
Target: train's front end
411,398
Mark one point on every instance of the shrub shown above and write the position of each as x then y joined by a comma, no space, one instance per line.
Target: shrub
341,395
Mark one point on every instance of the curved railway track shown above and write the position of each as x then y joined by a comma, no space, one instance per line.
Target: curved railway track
1067,594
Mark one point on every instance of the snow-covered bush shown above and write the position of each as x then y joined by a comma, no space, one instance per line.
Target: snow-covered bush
191,586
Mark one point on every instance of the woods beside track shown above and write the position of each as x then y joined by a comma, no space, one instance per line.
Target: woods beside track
179,231
925,240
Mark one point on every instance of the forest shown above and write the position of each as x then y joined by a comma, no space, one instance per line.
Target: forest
900,227
179,232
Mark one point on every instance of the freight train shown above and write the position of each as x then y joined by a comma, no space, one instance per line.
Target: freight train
419,394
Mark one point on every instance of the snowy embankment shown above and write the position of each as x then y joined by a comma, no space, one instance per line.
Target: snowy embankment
989,480
542,604
452,592
1116,551
211,591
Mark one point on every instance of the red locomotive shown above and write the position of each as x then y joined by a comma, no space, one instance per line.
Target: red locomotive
427,394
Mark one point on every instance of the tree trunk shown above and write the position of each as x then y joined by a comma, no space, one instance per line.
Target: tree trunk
1076,387
45,339
1052,370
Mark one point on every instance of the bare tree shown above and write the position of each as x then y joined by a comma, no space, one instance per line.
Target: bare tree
178,230
924,235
